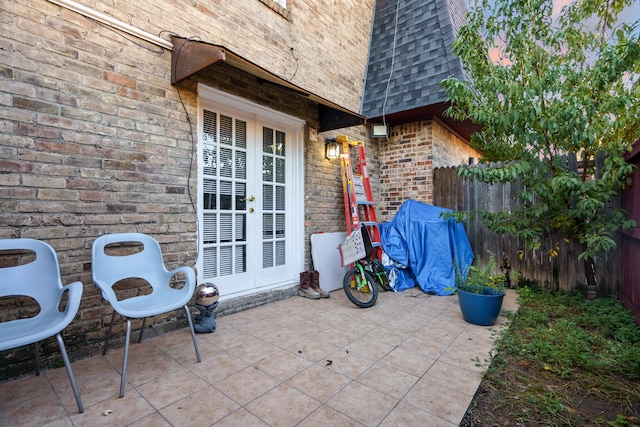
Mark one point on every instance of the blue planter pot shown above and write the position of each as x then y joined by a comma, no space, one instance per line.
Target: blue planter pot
480,309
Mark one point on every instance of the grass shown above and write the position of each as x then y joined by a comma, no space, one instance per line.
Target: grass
563,361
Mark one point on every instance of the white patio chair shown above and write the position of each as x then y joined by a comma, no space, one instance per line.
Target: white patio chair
38,278
147,264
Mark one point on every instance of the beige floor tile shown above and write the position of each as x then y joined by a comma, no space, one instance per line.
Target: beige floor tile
254,351
283,365
441,401
227,337
153,420
362,403
369,347
181,338
348,363
183,356
246,385
199,409
454,377
470,359
94,389
389,336
388,380
319,382
25,388
286,337
283,406
325,416
313,349
40,409
274,360
170,388
407,415
241,417
142,371
62,422
218,367
260,327
115,411
336,337
83,371
408,361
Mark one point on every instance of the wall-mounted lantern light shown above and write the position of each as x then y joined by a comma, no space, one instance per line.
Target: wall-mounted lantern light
331,149
380,130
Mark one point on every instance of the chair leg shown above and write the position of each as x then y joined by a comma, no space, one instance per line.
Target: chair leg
193,334
106,341
126,356
144,320
36,347
72,379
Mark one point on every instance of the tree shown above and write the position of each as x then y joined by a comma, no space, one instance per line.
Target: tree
552,93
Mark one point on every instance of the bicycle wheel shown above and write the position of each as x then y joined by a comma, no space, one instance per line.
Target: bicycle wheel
380,274
360,287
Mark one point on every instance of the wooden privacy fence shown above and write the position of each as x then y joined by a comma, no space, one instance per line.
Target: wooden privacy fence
561,272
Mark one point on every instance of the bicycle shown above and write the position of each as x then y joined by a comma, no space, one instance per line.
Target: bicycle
361,282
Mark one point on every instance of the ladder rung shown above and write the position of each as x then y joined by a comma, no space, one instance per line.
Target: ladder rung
364,202
368,223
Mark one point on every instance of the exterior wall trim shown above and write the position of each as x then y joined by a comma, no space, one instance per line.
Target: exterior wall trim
112,22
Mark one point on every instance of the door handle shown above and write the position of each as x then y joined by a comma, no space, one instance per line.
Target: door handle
251,198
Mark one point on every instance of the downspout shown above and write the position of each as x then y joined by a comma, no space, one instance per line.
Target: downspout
113,23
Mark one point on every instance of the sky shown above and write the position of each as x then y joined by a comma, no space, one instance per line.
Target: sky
629,15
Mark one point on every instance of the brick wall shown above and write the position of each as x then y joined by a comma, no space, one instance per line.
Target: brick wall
407,160
95,140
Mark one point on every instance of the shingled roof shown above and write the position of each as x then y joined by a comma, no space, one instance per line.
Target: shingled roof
410,53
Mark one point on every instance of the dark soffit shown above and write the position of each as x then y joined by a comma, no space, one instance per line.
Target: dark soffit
191,56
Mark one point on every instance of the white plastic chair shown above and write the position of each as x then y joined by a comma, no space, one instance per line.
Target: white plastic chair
147,264
39,279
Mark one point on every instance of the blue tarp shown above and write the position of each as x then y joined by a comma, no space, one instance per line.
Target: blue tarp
427,245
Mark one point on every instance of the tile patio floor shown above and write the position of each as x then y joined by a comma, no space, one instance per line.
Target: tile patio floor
407,361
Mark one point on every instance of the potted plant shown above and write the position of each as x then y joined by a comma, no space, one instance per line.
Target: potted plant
480,292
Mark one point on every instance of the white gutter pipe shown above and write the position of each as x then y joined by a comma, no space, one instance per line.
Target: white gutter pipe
114,23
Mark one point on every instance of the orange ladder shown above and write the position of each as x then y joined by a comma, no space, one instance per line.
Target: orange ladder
359,207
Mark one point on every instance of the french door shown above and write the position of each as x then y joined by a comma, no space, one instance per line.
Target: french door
250,195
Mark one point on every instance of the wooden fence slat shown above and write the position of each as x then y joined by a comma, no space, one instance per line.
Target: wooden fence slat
563,272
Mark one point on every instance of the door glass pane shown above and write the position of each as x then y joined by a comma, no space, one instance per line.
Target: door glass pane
267,197
226,130
224,170
280,198
280,171
226,255
280,225
210,229
280,147
210,263
280,253
209,194
267,254
241,165
225,195
267,168
273,197
241,196
226,227
226,162
209,159
241,228
267,225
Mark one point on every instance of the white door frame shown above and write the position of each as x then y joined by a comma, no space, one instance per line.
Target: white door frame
210,98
